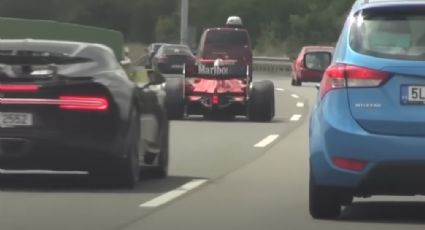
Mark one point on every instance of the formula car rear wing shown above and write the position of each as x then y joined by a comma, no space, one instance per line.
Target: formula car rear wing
199,70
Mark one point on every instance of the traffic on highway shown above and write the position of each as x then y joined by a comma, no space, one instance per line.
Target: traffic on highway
224,124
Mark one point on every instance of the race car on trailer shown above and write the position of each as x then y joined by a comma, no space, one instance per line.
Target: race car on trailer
219,84
69,106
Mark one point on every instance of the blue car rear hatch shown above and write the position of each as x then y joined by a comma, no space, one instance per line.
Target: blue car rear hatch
388,40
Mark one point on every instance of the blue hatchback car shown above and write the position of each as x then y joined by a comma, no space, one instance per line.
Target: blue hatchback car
367,129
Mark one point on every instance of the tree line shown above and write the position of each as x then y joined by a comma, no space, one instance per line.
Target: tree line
275,25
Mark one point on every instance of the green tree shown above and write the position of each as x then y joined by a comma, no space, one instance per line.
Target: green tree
167,29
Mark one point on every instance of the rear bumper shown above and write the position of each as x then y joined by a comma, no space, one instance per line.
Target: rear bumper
308,76
54,151
395,164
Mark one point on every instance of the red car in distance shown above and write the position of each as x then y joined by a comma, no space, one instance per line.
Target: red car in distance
310,64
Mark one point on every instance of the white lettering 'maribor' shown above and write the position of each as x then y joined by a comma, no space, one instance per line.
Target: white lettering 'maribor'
213,70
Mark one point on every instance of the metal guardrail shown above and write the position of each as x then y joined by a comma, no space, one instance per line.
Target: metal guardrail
269,65
272,65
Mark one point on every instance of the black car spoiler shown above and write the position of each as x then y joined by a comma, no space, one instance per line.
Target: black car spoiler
23,57
216,71
28,62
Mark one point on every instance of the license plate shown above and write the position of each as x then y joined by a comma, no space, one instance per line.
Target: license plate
10,120
177,66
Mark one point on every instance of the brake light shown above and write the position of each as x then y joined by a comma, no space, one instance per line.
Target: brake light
9,88
83,103
215,100
349,164
299,64
162,58
349,76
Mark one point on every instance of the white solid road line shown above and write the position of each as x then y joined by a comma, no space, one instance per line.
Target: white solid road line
266,141
42,172
300,104
296,117
295,96
280,89
173,194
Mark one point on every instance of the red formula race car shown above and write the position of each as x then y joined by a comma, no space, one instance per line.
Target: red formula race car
219,84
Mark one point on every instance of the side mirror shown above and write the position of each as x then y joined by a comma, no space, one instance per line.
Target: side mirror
155,77
317,61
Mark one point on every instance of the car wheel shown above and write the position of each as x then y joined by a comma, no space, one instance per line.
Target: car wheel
292,81
128,172
175,98
261,101
124,173
297,82
324,202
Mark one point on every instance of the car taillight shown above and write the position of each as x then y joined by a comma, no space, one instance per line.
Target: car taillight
83,103
349,76
20,88
215,100
162,58
300,65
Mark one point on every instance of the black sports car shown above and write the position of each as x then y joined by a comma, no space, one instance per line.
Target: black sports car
69,106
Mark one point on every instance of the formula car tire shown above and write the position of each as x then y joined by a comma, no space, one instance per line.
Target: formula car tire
261,104
174,102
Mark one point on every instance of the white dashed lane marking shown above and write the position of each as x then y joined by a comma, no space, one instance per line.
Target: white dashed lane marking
41,172
296,117
173,194
280,89
300,104
295,96
266,141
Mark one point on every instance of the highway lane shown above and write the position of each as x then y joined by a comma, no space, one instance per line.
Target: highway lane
272,193
199,150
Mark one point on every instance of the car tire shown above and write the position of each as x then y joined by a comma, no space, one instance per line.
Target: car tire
261,103
174,102
128,169
125,172
324,202
292,81
296,82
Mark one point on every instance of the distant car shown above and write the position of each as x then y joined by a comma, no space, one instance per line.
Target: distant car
150,53
69,106
367,129
219,85
170,59
310,64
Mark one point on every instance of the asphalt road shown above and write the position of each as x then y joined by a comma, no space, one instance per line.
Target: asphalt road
224,175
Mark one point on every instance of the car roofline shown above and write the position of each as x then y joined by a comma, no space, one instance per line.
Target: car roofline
78,45
365,4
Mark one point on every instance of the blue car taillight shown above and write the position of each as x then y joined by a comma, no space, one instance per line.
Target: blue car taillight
348,76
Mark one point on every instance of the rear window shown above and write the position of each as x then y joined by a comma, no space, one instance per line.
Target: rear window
318,60
227,39
395,33
176,50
